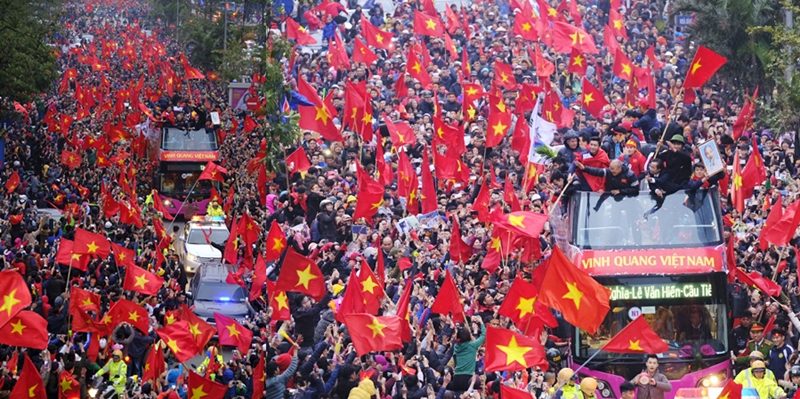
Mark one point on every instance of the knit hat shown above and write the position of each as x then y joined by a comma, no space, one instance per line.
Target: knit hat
368,386
630,143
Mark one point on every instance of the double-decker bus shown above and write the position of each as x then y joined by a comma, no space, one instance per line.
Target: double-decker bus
663,259
182,155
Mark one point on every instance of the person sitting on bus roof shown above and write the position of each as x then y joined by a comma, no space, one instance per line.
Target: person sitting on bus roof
634,159
661,182
618,178
594,158
756,377
757,343
677,161
700,178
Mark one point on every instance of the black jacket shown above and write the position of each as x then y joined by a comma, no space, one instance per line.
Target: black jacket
678,165
625,181
327,225
306,320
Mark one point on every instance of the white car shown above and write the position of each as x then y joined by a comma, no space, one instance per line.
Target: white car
194,243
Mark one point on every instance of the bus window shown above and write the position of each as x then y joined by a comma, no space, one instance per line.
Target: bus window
684,219
174,139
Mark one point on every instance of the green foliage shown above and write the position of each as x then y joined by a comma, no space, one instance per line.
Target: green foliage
722,25
27,63
546,152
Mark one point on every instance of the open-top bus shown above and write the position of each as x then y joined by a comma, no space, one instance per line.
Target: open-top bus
663,259
182,156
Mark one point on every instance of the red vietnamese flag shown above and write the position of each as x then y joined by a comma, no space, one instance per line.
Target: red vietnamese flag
178,338
566,37
375,37
577,63
755,173
279,303
507,392
297,161
85,300
248,229
521,305
94,244
610,41
636,337
65,256
428,196
117,133
499,123
29,384
71,159
705,63
158,205
231,253
581,300
371,288
300,274
525,223
460,252
415,68
26,329
370,199
449,300
375,334
155,364
544,68
731,390
125,311
200,387
617,24
13,182
756,280
141,281
623,67
779,230
400,132
82,322
214,172
260,378
504,76
259,278
525,27
249,124
510,351
201,331
593,100
651,55
68,386
510,197
231,333
362,53
317,118
298,33
737,193
123,256
276,242
428,25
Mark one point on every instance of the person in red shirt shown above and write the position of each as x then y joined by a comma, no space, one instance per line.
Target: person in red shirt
634,159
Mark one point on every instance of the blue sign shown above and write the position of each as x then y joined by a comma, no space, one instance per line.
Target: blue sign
683,21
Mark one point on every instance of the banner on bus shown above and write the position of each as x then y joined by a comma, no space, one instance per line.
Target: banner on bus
651,261
189,156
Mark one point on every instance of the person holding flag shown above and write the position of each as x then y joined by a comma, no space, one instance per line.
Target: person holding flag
651,383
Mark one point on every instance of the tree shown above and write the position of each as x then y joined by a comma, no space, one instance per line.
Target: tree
722,25
27,62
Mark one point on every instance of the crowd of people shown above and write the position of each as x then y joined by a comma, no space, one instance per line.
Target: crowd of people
634,146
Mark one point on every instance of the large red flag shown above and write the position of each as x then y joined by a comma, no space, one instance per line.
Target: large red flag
179,340
276,242
200,387
15,295
232,333
428,25
94,244
510,351
26,329
374,334
704,65
566,37
636,337
300,274
29,384
448,300
142,281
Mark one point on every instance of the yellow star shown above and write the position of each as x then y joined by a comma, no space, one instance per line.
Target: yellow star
87,302
18,327
322,113
233,331
525,306
121,256
283,302
472,91
577,37
634,345
376,327
141,281
526,26
517,220
379,38
417,67
574,293
76,257
194,329
147,367
368,285
552,11
514,352
471,111
578,61
65,384
501,106
197,393
617,24
32,391
91,247
277,244
587,98
134,316
737,181
696,66
626,69
106,319
504,77
377,204
430,24
724,396
250,226
173,345
367,118
305,276
499,129
9,301
495,245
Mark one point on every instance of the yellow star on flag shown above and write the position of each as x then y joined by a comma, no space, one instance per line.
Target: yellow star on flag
588,98
495,245
233,331
377,204
65,385
525,306
369,285
277,244
617,24
91,247
32,391
198,393
578,61
472,91
499,129
121,257
141,281
503,77
379,38
87,302
517,220
417,67
305,276
376,327
134,317
17,327
194,329
283,301
173,345
577,37
634,345
322,113
9,301
696,66
574,293
514,352
626,69
501,106
526,26
430,24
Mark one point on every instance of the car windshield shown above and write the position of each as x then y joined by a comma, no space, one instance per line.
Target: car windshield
687,312
174,139
685,219
197,236
220,292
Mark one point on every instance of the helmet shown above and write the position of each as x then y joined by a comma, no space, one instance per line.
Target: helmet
565,374
795,371
325,202
117,353
758,364
589,385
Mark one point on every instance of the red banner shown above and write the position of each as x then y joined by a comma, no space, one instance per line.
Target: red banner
191,156
651,261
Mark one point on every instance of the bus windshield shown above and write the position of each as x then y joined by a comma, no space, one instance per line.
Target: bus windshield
174,139
688,312
685,219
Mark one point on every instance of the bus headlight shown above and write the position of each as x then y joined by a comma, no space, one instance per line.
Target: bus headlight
167,203
711,381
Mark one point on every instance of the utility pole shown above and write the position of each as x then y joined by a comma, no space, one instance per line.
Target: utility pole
225,34
789,22
177,18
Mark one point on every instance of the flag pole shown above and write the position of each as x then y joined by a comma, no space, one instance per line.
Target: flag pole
563,190
666,125
561,385
180,207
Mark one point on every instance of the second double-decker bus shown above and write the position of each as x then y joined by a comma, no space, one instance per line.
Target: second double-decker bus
182,156
663,259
